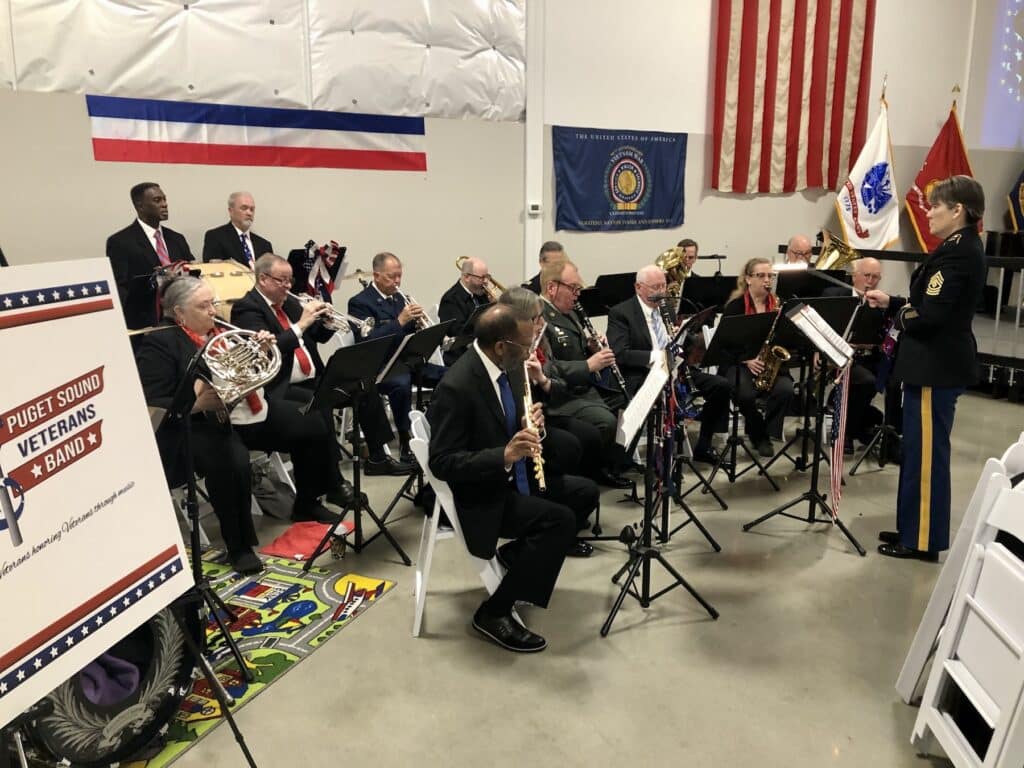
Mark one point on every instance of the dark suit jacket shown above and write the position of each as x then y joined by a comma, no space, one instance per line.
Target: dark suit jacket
254,314
369,303
937,346
533,284
133,259
467,446
457,304
630,341
222,243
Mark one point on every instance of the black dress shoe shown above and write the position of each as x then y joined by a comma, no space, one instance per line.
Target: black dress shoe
508,633
705,455
764,448
316,513
245,561
387,466
580,548
342,496
406,456
889,537
612,481
905,553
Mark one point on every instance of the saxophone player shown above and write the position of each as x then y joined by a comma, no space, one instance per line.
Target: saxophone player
753,295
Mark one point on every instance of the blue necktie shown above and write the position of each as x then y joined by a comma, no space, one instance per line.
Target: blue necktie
659,329
245,250
508,403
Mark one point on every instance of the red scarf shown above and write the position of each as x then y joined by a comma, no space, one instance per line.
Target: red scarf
771,304
252,399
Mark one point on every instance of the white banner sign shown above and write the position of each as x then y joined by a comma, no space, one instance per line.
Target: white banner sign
89,542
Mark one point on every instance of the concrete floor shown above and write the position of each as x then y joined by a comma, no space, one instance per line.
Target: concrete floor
798,671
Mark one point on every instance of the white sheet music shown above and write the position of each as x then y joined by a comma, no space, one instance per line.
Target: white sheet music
821,334
634,415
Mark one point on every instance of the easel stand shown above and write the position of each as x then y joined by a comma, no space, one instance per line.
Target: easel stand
202,594
813,496
738,338
642,552
415,355
350,375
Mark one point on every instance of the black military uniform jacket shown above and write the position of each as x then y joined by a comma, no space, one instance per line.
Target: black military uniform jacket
937,346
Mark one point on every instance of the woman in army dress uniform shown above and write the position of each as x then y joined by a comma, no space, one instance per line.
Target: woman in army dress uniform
936,361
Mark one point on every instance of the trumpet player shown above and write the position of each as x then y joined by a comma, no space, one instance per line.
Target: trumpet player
463,299
394,314
221,441
297,329
583,363
480,447
753,295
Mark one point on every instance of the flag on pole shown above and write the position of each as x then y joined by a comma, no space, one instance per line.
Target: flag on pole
791,93
947,157
868,207
840,393
1016,202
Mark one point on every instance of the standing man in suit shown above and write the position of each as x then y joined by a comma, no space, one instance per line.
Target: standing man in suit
297,329
393,316
235,240
137,250
550,252
637,335
480,448
462,300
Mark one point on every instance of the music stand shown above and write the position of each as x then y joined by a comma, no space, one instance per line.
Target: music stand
350,375
812,495
738,338
869,329
593,302
616,288
201,593
807,283
705,292
413,356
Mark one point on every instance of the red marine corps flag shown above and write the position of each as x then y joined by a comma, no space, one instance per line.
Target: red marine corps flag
947,157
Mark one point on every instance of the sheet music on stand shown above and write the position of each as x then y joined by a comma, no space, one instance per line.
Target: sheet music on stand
821,334
634,415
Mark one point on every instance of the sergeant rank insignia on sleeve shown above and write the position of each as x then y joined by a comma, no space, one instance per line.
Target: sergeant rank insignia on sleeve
935,284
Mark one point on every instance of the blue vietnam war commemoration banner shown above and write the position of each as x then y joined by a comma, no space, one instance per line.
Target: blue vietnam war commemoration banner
614,181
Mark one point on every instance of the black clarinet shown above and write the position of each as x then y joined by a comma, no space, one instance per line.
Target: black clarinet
592,334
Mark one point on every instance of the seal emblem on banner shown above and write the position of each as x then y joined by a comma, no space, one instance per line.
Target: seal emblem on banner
626,179
876,189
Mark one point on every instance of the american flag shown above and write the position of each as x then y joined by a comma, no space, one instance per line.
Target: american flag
51,302
838,436
792,88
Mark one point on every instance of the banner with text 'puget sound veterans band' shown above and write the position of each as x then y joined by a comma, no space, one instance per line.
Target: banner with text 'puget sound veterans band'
613,181
89,543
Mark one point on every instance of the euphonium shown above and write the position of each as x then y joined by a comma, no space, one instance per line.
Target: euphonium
492,287
772,356
337,320
835,254
538,459
673,264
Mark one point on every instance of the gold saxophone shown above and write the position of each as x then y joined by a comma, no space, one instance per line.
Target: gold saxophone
772,356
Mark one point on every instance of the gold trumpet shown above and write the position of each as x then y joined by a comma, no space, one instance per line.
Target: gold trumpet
337,320
492,287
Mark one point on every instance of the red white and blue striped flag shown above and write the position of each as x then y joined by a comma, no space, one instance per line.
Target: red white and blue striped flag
840,394
155,131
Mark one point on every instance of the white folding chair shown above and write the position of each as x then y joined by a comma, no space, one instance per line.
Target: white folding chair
489,571
980,658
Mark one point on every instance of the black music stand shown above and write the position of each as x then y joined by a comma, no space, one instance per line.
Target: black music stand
703,292
414,357
869,329
836,311
616,288
738,338
593,302
350,375
806,283
642,551
812,495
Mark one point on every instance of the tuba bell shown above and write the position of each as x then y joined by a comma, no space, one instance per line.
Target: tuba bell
673,263
835,254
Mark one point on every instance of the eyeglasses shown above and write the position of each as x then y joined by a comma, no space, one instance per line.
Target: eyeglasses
801,254
481,278
206,306
761,275
575,289
655,286
280,280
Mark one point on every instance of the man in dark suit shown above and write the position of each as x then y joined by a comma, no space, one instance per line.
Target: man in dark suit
551,251
236,240
298,328
867,274
393,316
137,250
462,300
479,448
637,335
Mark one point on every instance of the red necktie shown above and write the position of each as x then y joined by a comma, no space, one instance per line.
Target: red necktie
161,249
300,353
